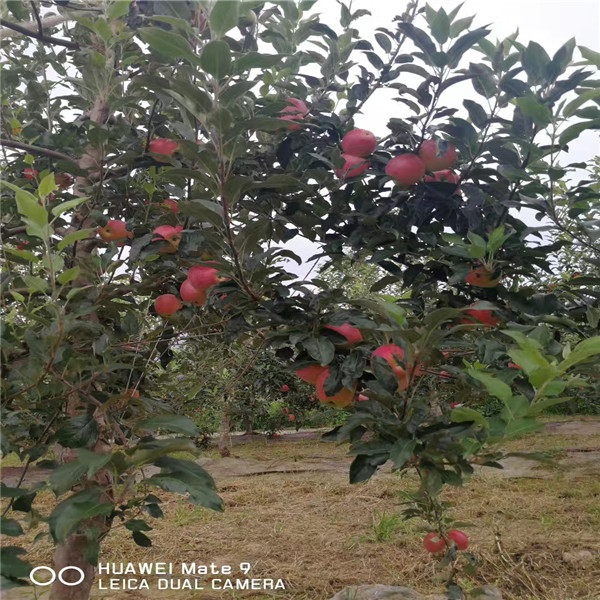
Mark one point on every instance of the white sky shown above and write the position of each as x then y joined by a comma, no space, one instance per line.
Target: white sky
550,23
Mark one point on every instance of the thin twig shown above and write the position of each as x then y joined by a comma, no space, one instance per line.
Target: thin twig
48,39
36,149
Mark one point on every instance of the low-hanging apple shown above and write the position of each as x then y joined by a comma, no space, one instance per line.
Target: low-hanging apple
406,169
170,234
114,230
202,277
352,334
285,388
310,374
434,542
167,304
341,399
437,155
483,317
189,293
482,277
163,146
394,356
292,417
359,142
459,538
353,166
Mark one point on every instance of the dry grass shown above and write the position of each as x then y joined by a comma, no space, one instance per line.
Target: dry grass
318,533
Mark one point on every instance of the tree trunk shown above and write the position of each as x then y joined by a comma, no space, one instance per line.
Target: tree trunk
248,424
224,435
72,552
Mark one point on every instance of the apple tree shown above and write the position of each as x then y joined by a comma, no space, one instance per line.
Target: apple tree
162,162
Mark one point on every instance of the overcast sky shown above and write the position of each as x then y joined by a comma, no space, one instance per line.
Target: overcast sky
550,23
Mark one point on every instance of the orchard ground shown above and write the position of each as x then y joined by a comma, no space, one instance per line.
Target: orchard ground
291,512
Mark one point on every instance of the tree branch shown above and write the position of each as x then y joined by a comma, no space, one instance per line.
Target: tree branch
38,36
36,150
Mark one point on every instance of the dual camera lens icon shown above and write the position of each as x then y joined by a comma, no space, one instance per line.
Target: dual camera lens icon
54,575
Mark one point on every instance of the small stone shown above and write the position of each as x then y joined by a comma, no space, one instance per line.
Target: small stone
486,592
579,556
381,592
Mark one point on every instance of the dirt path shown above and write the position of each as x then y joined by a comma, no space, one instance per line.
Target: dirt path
570,463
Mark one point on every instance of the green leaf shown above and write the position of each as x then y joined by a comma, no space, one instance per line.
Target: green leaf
572,132
172,45
535,60
463,43
69,275
36,217
402,451
216,59
520,427
170,422
12,566
68,475
515,408
538,407
10,527
59,209
477,113
440,27
35,284
590,55
462,414
71,238
181,476
496,387
581,352
18,9
321,349
47,186
582,98
118,8
66,517
141,539
531,107
79,432
256,60
363,466
223,17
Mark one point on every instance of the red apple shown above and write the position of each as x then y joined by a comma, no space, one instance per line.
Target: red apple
406,169
170,204
167,304
114,230
170,234
189,293
30,173
342,398
512,365
352,334
285,388
363,398
394,356
445,176
202,277
459,538
353,166
437,155
294,113
292,417
310,374
485,317
434,542
481,277
359,142
163,146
